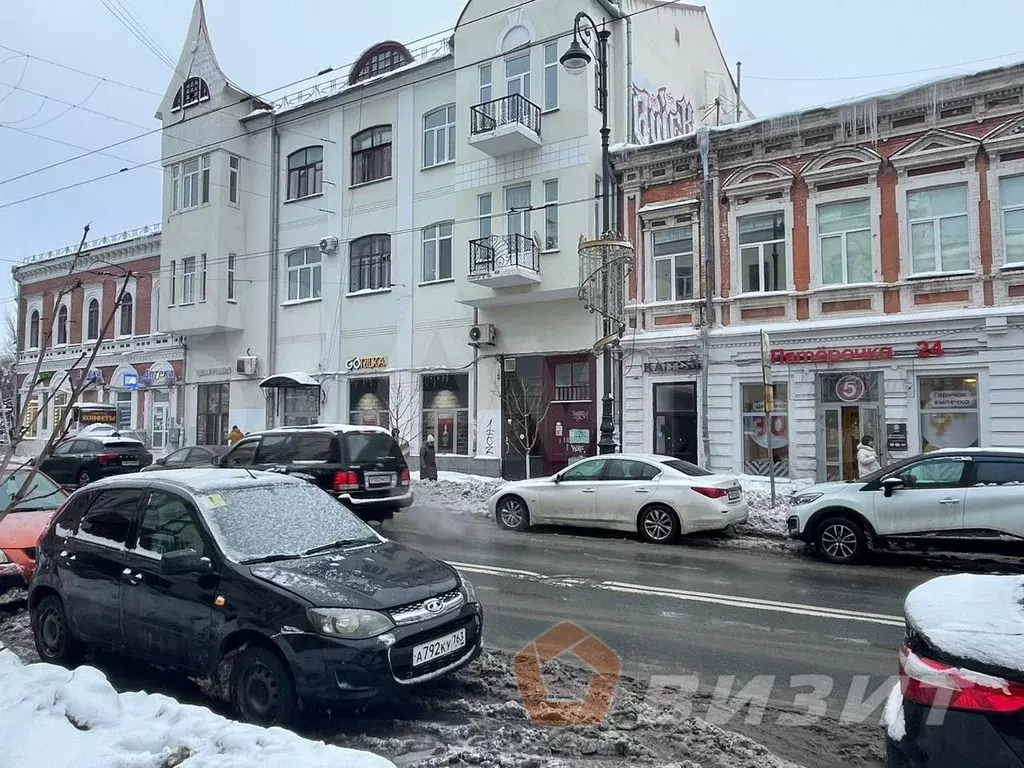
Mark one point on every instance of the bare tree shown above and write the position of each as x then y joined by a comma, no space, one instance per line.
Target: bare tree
526,408
8,377
404,411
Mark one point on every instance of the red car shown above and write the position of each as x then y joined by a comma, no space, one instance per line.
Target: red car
22,526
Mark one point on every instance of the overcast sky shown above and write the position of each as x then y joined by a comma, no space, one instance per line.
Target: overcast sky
795,53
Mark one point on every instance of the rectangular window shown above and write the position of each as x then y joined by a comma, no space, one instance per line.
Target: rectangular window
517,75
174,285
517,203
949,412
234,179
371,155
301,406
762,252
938,221
551,215
188,280
844,238
231,277
175,187
202,277
212,425
370,263
1011,196
672,250
551,76
369,401
437,252
125,408
190,184
206,180
486,91
305,172
572,382
439,137
483,204
446,412
762,433
304,274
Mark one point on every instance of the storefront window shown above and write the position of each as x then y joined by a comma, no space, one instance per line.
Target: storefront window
124,409
212,414
369,401
763,434
675,420
949,412
446,411
300,406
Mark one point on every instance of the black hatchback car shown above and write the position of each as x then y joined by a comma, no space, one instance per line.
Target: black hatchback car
80,460
196,568
362,467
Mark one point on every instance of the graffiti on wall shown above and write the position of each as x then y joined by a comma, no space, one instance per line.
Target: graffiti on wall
659,114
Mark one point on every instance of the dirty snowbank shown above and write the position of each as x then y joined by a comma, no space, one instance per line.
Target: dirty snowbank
56,717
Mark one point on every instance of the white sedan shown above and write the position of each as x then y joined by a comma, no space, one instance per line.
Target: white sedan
657,496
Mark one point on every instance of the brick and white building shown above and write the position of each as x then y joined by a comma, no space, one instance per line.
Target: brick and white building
880,244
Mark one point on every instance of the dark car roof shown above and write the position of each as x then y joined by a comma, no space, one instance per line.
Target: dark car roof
322,429
199,480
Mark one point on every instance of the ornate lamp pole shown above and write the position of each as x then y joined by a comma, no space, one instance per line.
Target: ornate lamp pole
605,262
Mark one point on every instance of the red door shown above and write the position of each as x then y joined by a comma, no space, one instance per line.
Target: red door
570,428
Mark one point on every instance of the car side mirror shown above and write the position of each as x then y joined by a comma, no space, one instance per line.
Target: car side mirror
892,484
183,561
557,479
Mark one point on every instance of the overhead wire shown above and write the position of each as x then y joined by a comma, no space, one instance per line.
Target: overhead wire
76,70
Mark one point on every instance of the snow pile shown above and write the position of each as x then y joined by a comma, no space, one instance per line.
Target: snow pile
971,617
56,717
766,519
456,492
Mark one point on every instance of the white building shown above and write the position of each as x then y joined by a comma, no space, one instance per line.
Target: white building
327,256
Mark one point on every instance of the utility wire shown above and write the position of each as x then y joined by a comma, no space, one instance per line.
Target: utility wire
78,71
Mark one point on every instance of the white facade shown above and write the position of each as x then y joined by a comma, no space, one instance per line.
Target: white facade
486,122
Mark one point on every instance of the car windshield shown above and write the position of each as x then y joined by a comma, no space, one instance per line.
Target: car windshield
686,468
281,519
43,493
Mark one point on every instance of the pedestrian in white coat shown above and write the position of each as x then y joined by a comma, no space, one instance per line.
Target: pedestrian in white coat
867,459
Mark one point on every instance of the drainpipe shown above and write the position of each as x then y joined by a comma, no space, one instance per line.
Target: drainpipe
275,191
709,288
476,388
630,117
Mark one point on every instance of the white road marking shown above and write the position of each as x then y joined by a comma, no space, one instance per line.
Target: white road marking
732,601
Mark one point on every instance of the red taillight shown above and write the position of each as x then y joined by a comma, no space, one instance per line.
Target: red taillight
933,684
403,479
346,481
108,458
712,493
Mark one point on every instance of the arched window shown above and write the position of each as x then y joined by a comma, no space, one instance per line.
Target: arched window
92,321
33,330
370,263
127,315
371,154
305,172
192,91
379,59
62,324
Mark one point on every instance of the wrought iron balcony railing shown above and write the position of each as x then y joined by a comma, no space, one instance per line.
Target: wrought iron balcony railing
491,254
514,108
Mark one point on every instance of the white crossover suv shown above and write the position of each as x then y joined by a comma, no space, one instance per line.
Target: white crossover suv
963,494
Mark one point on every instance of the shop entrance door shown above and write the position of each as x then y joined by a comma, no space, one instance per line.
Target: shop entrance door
850,408
159,429
675,420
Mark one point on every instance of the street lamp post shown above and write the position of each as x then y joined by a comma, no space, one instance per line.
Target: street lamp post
575,60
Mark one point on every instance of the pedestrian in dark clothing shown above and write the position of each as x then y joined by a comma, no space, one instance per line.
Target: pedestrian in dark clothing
428,460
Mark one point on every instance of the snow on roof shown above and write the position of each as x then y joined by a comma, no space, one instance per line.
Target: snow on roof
295,379
973,618
101,242
668,204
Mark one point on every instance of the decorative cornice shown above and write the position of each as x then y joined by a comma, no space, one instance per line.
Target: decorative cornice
114,249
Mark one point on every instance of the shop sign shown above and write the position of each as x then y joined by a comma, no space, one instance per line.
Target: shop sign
205,372
130,380
579,437
158,378
831,355
851,389
951,399
90,416
366,363
896,437
671,366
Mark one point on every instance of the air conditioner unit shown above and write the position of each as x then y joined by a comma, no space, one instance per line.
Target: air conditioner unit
482,335
329,245
247,366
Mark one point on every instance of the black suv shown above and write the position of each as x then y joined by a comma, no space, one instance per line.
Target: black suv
210,570
362,467
80,460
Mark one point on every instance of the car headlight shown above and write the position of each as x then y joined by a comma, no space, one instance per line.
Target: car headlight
468,590
803,498
350,623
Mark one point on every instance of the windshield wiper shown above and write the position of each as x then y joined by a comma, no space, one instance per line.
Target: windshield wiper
336,545
268,559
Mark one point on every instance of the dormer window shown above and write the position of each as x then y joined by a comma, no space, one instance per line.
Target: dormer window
378,60
192,92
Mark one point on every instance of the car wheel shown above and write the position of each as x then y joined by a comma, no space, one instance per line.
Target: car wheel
658,525
513,514
51,631
840,540
84,478
262,691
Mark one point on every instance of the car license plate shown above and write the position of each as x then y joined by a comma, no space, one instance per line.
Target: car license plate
129,463
380,480
734,494
443,646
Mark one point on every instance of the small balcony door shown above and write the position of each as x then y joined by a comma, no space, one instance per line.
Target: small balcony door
517,203
517,75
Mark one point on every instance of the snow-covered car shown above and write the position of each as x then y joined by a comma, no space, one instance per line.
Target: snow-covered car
659,497
964,494
960,699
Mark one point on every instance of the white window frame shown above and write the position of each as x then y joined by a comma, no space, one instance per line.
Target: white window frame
66,306
432,234
175,187
1003,210
87,300
204,180
173,295
131,294
431,137
485,83
33,343
234,180
671,258
315,269
190,184
760,209
231,277
936,222
816,199
550,214
523,78
485,224
202,278
843,236
188,280
551,64
967,175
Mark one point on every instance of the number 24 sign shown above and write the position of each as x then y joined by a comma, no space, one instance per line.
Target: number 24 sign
927,349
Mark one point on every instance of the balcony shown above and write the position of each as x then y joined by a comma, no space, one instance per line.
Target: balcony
504,261
506,125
